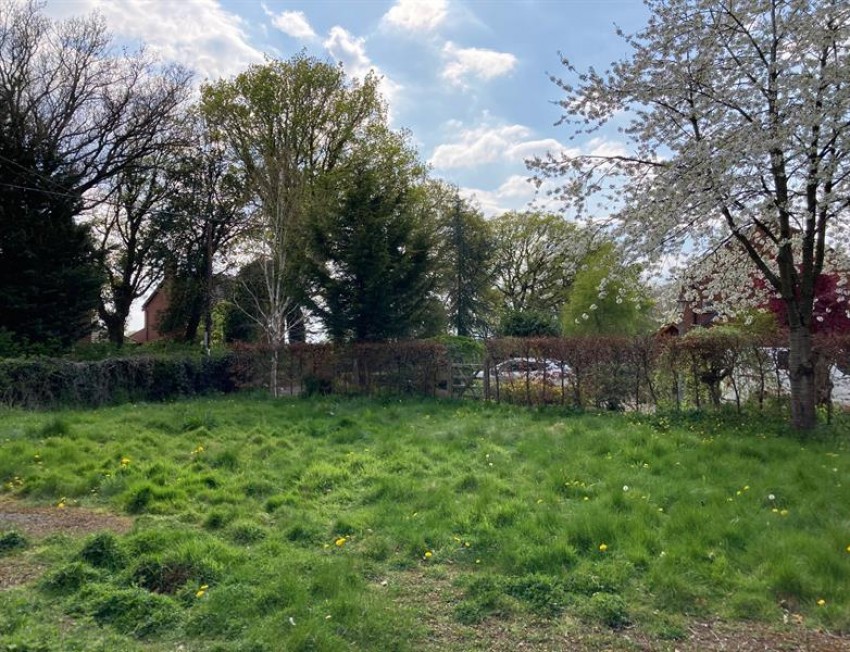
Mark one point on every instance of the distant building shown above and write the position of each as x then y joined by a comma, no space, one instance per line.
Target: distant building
154,310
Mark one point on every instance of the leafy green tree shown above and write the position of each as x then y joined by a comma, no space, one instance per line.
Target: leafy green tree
369,247
535,260
204,216
288,123
527,323
607,297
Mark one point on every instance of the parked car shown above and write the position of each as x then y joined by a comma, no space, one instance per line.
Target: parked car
520,369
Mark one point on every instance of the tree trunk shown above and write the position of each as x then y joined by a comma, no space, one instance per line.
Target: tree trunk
114,323
801,369
114,330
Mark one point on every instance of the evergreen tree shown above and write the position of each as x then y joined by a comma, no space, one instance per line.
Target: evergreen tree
466,273
369,248
49,276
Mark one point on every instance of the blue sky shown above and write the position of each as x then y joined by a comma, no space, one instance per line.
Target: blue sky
467,78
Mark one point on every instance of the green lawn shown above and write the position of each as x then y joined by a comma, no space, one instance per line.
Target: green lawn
334,524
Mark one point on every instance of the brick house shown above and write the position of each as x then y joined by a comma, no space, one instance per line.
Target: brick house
154,309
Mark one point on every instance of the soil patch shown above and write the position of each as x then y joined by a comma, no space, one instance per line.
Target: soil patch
39,522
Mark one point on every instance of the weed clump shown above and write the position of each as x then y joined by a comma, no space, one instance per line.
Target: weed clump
606,609
132,611
69,578
11,542
103,551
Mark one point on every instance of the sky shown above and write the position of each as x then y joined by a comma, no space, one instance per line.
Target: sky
469,79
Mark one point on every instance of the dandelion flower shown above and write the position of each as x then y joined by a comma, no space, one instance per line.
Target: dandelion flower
428,554
821,602
603,547
340,542
784,512
771,497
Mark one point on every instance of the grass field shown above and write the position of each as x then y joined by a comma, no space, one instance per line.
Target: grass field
333,524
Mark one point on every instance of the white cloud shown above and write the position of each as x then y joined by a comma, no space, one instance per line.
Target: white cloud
602,147
490,144
293,23
351,51
464,63
416,15
199,34
515,193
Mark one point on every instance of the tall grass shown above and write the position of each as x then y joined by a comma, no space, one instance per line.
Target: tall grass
268,525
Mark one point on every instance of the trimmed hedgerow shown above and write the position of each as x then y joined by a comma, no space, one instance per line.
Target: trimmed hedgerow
52,382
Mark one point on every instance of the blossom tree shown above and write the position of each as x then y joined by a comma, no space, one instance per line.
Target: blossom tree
737,121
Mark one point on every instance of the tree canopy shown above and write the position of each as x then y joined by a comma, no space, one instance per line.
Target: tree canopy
369,249
738,124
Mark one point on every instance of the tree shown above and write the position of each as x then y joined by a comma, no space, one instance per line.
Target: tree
527,323
204,217
129,240
49,271
607,297
535,260
72,116
464,250
369,247
287,123
739,132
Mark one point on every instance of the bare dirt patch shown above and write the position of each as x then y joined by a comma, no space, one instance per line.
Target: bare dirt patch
434,595
39,522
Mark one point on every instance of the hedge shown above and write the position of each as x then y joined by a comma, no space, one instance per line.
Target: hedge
54,382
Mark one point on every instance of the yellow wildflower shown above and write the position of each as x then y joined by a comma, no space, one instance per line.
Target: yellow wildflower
603,547
821,602
428,554
340,542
